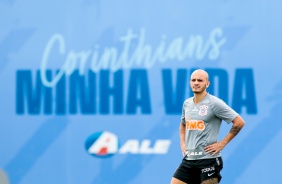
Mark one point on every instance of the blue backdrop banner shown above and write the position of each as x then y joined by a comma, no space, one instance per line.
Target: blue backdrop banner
92,91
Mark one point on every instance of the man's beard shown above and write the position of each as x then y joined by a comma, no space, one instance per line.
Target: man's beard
199,91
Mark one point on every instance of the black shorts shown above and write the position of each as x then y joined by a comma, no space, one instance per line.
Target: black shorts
196,171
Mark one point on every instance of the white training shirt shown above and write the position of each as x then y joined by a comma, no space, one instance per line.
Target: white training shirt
203,123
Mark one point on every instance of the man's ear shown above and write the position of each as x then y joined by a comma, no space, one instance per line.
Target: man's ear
208,84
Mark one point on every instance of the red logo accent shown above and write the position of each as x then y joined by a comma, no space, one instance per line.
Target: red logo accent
203,110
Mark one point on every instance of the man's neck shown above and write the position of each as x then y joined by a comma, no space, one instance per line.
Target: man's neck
198,97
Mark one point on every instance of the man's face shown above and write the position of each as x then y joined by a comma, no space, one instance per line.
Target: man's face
199,82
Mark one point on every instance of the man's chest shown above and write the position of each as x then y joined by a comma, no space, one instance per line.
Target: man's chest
198,112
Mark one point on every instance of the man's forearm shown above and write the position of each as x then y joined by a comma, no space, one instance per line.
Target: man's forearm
235,130
215,148
238,124
182,134
232,133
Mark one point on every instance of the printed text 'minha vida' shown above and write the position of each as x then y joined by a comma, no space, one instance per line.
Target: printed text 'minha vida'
107,92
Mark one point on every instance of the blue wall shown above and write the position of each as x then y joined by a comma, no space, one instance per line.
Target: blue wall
92,91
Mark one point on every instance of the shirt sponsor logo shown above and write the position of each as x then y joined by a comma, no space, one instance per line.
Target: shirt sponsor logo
195,125
193,153
203,110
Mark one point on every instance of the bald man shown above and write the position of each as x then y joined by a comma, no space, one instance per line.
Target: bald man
201,119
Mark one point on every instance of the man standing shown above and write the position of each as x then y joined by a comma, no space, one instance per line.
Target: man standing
200,123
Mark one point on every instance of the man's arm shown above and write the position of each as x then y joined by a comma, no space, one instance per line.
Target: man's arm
238,124
182,138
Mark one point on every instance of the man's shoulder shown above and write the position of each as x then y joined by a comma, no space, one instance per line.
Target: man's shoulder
216,102
188,100
214,99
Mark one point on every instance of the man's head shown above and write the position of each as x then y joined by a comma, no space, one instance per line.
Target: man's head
199,81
